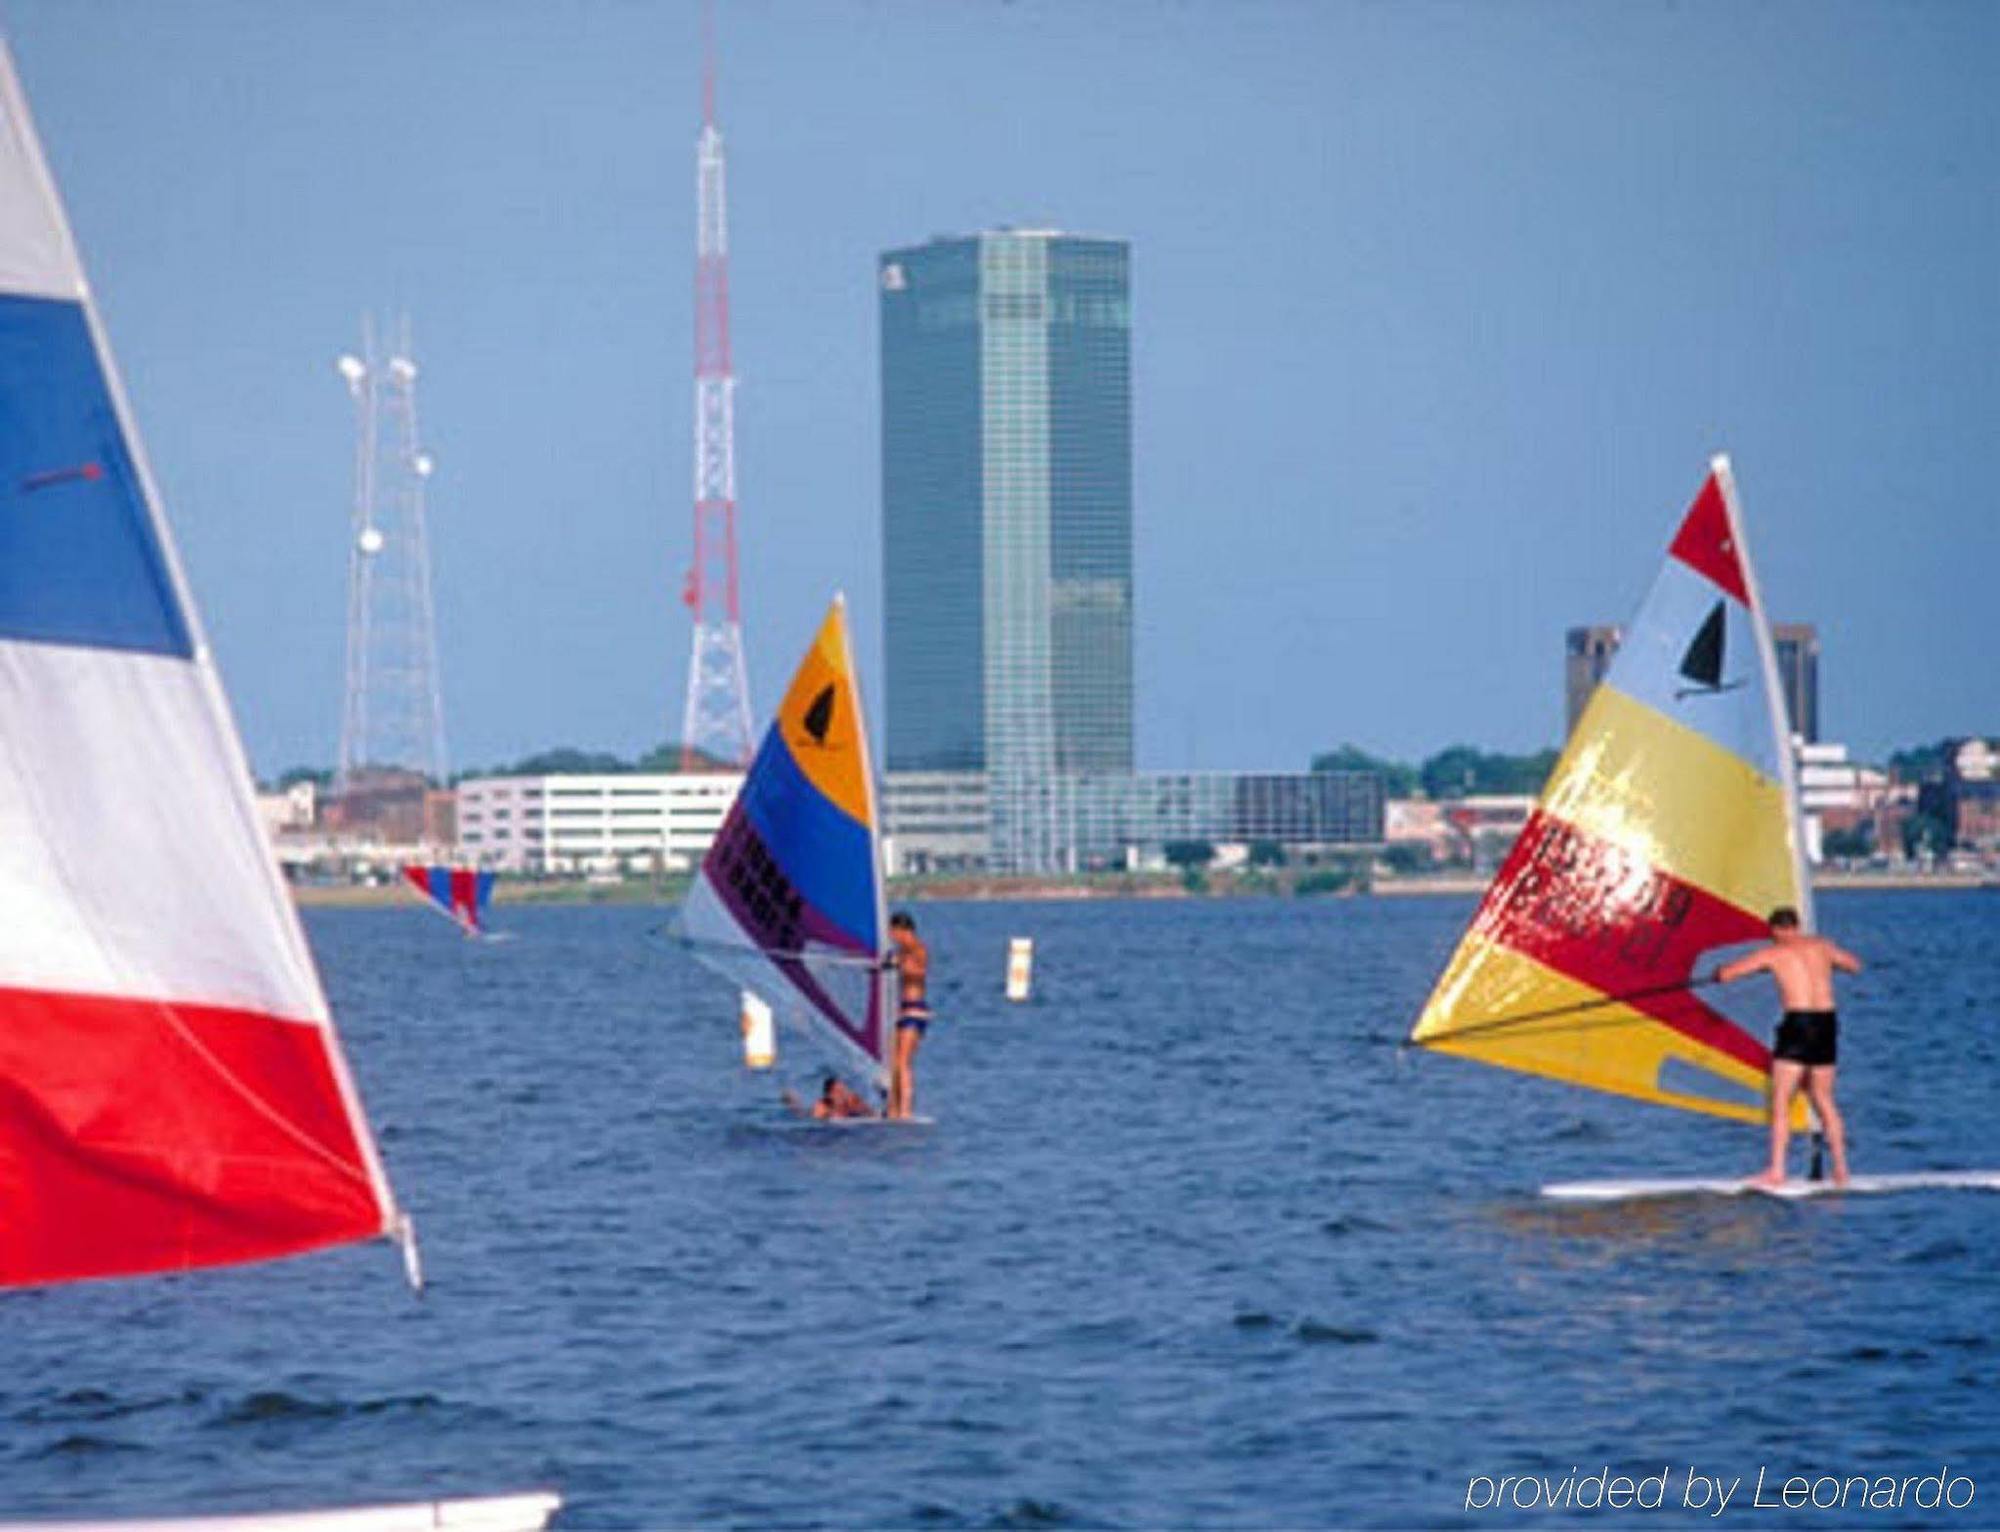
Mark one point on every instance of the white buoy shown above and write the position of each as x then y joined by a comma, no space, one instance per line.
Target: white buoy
760,1038
1020,966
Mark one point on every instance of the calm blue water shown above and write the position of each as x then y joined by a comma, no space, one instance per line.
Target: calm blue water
1192,1245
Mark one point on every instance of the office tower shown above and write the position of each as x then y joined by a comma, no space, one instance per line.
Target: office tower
1797,644
1007,515
1587,655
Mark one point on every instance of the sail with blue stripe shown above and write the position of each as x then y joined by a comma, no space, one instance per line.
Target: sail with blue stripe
788,901
174,1092
461,893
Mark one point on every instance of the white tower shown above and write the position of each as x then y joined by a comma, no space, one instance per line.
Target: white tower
393,721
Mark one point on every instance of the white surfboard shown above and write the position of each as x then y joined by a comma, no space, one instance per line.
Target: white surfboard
1696,1186
494,1513
868,1122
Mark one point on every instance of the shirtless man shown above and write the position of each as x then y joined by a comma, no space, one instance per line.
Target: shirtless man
912,962
1803,1051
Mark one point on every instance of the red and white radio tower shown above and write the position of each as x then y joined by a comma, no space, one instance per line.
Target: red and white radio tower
716,725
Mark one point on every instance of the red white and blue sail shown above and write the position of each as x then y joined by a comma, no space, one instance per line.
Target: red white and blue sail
462,893
788,901
172,1094
1667,833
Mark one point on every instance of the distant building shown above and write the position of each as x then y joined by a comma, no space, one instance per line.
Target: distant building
1967,796
289,808
625,822
1130,819
1587,655
1007,518
386,805
1475,831
938,822
1797,644
935,822
1836,794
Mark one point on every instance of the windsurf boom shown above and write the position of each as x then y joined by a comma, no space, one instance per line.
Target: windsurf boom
1668,830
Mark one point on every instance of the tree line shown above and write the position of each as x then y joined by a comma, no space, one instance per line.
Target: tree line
1464,771
562,760
1457,771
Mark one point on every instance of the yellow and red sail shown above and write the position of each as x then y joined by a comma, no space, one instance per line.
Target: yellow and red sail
1667,832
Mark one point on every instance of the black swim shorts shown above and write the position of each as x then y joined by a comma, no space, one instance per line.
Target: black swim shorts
1806,1037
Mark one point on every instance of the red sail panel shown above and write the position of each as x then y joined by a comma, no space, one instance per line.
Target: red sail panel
135,1141
1705,542
1597,914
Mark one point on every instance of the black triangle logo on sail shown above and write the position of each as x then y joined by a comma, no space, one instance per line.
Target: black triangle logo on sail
819,717
1702,664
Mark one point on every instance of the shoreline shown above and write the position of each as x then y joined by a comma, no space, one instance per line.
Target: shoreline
974,890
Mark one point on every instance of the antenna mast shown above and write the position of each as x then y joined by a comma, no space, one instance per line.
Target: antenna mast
393,719
716,724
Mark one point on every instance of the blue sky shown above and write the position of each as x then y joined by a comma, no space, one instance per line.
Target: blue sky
1439,311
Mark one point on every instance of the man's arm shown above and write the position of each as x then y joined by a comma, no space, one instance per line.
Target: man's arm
1749,963
1842,959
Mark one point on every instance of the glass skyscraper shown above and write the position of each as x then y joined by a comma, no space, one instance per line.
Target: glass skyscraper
1007,515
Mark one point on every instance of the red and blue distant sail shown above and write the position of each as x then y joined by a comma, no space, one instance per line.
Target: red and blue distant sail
460,892
172,1094
788,901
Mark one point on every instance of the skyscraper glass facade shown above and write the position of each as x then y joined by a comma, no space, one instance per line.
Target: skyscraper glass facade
1797,646
1007,516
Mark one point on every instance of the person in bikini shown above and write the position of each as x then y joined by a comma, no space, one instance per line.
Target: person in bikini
1803,1052
912,962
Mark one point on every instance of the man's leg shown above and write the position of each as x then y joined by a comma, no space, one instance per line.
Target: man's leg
1819,1091
1784,1085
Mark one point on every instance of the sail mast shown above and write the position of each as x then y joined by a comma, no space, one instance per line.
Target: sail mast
1767,657
885,979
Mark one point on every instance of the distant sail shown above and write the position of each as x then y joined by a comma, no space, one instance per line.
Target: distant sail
171,1091
1667,831
460,892
788,901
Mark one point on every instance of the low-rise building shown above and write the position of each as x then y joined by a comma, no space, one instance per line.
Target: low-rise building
1967,798
623,822
1836,795
934,821
288,808
1084,821
1474,831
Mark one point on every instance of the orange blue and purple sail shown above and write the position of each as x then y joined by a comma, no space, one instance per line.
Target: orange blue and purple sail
1666,833
788,901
